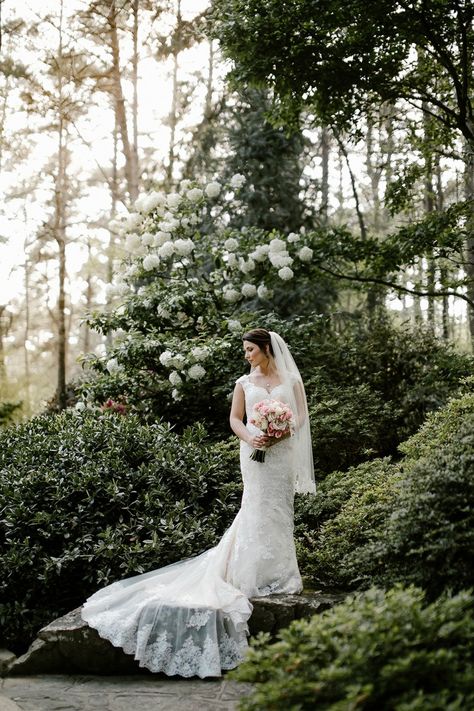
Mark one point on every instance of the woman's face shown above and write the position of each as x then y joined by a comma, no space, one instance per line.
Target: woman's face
253,354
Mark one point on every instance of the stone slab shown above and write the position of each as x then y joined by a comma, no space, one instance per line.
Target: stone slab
69,646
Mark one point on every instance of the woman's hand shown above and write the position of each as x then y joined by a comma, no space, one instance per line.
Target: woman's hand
260,441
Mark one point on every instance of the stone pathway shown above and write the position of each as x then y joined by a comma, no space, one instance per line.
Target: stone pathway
114,693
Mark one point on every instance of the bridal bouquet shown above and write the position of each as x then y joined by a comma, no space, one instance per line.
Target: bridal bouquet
275,419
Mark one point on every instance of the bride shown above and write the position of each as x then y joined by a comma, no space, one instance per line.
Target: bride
190,618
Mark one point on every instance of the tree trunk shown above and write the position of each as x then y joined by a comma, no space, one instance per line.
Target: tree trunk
130,166
173,117
325,150
469,195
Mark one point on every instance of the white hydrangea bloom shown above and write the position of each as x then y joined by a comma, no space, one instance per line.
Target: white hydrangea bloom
231,244
200,352
260,253
237,181
213,189
184,221
175,378
151,261
196,372
277,245
249,290
161,237
184,185
179,360
194,195
139,203
154,199
184,246
280,259
231,260
122,289
194,220
113,366
175,394
166,250
293,237
263,292
132,241
285,273
132,221
166,359
132,270
230,294
305,254
233,325
148,239
170,224
246,266
173,200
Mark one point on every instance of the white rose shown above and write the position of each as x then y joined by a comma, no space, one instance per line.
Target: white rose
237,181
293,237
151,261
194,195
132,241
173,200
285,273
305,254
213,189
277,245
263,292
184,246
113,366
200,352
231,295
166,359
166,250
231,244
196,372
175,378
249,290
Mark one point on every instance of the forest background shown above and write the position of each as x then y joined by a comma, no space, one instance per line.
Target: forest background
309,172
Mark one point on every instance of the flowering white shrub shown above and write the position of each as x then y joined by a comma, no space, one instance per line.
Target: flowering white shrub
285,273
249,290
175,378
200,352
151,261
212,190
305,254
196,372
237,181
195,194
173,200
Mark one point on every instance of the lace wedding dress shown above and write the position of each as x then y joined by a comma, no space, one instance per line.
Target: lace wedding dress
190,618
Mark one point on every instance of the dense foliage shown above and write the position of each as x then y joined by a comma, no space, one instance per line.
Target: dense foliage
87,499
378,650
408,522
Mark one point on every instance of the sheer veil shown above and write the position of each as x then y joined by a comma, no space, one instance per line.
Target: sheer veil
303,452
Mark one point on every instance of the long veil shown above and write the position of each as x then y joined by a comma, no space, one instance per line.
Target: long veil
303,451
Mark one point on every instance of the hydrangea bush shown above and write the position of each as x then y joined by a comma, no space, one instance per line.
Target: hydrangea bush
187,287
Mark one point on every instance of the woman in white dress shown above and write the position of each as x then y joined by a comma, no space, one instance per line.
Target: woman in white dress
190,618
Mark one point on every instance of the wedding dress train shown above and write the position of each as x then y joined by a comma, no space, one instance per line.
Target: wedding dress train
190,618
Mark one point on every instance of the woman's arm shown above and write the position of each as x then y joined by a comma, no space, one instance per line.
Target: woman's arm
236,420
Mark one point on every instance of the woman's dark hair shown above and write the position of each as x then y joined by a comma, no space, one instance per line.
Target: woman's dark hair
261,338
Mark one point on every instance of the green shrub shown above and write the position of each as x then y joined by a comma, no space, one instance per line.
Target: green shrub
407,522
378,650
347,511
427,536
87,499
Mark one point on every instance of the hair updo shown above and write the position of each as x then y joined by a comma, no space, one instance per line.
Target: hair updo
261,337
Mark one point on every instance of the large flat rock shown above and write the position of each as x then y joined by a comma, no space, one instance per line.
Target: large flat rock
69,646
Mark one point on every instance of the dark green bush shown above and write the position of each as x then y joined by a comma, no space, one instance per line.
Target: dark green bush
87,499
407,522
379,650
